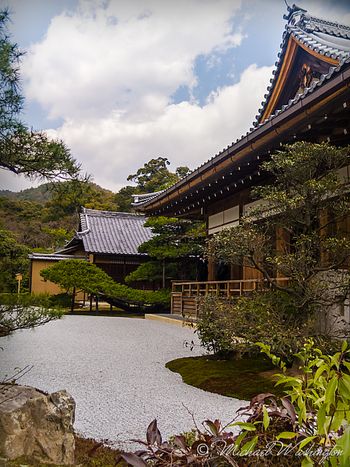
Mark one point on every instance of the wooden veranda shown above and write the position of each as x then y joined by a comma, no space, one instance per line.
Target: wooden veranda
185,296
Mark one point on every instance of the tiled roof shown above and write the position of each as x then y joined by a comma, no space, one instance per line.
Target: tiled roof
140,199
327,38
110,232
300,24
52,256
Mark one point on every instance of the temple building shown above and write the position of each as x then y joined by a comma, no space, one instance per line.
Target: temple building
308,99
108,239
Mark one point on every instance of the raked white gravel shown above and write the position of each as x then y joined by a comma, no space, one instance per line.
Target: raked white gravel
114,369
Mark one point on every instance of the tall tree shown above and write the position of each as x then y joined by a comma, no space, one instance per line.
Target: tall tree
13,260
299,231
153,176
24,151
174,249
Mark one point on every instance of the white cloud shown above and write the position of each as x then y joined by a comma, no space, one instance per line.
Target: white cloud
124,56
109,71
186,133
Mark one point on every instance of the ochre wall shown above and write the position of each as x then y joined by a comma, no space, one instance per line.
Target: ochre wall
38,285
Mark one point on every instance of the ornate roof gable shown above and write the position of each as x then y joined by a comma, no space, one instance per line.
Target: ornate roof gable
310,48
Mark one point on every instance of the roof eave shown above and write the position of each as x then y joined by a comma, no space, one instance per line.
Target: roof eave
265,127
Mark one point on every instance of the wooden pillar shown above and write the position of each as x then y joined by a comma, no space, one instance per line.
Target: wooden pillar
73,301
236,272
211,269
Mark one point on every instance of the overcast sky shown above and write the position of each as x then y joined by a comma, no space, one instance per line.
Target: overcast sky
122,81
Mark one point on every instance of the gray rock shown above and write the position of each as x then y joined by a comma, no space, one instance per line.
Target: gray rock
36,425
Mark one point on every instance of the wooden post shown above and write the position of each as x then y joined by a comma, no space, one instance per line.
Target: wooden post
163,274
96,302
73,301
19,278
90,303
211,269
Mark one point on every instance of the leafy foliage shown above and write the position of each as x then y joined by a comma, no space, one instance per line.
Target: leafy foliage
45,217
13,260
315,411
24,151
234,327
302,212
82,275
68,198
153,176
173,238
174,248
150,271
308,426
25,311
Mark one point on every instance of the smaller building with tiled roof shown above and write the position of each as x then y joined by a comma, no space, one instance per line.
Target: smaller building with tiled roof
108,239
112,233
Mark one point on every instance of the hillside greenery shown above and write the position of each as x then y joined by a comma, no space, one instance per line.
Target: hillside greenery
44,218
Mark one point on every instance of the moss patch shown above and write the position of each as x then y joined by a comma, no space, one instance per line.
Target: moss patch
242,379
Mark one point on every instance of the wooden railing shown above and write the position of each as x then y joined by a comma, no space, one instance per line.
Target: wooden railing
185,295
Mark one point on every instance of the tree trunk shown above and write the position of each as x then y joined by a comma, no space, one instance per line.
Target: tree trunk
163,275
73,301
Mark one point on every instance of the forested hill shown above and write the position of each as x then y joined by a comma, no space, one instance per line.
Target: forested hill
40,194
45,217
46,191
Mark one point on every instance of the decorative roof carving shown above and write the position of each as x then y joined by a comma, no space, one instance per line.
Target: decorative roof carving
325,39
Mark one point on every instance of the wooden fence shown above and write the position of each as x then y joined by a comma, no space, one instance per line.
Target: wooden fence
185,296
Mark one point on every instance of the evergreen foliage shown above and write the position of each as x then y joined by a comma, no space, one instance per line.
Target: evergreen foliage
23,151
153,176
13,260
305,206
44,218
82,275
175,249
25,311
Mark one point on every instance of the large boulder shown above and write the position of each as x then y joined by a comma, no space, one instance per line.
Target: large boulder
36,425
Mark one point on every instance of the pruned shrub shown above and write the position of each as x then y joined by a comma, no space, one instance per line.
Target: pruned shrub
233,327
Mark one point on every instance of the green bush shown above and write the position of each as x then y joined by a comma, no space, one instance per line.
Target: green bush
270,317
82,275
63,300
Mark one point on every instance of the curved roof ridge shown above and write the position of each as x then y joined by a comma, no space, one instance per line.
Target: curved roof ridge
324,22
301,25
98,212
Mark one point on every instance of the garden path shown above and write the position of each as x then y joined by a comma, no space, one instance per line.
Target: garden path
114,368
